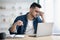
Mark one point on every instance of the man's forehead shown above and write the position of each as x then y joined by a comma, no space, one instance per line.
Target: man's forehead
37,9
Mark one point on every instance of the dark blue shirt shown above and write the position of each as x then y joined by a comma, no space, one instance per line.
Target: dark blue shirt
21,30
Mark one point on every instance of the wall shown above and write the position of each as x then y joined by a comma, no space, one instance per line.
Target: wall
56,17
51,9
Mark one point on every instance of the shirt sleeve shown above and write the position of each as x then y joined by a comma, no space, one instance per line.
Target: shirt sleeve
15,32
39,20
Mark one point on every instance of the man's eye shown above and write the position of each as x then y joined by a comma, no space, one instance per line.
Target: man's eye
37,11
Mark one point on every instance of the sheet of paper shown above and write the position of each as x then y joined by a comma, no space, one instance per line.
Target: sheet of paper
10,35
19,35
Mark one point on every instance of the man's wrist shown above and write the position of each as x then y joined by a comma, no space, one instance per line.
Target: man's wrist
15,24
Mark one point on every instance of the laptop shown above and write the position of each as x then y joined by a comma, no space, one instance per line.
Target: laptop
44,29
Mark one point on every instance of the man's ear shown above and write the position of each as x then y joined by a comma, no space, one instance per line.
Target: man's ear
31,9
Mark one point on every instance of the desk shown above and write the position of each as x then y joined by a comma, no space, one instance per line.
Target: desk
36,38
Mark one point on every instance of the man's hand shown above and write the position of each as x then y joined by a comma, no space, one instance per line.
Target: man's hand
19,23
41,13
42,16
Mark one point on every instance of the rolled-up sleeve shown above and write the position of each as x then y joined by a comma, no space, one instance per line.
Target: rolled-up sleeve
15,32
39,20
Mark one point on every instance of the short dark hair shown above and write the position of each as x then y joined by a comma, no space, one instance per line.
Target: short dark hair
34,4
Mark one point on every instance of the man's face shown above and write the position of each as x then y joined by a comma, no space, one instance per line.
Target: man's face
34,12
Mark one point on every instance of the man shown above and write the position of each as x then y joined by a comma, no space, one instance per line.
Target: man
27,24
